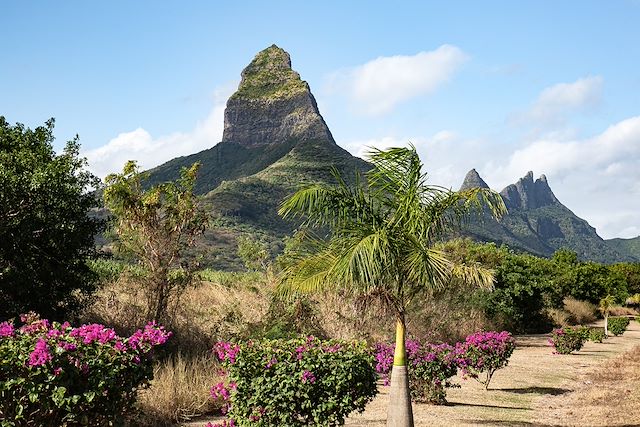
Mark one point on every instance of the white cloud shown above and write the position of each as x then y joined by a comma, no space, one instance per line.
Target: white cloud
149,152
598,177
556,102
379,85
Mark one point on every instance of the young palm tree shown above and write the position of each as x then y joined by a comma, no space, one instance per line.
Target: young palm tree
381,241
605,307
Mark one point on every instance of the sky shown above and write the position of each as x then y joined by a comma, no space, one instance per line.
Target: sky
504,87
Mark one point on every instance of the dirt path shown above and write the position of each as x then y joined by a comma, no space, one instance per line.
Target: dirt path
536,389
519,393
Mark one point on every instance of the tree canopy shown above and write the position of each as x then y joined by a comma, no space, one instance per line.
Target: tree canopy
46,234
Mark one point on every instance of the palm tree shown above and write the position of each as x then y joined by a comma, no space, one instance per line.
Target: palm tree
605,307
381,241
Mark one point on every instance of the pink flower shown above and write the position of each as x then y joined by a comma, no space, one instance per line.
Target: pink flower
308,377
6,329
40,354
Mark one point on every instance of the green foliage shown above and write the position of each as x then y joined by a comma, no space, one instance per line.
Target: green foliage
46,234
56,375
567,340
300,382
269,76
618,325
483,353
156,226
596,334
592,282
254,253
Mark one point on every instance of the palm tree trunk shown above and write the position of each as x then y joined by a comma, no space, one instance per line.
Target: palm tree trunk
399,412
606,324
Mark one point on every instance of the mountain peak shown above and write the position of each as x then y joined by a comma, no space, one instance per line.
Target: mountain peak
269,75
473,180
273,105
528,194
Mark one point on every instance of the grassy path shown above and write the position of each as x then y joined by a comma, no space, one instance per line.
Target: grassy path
530,391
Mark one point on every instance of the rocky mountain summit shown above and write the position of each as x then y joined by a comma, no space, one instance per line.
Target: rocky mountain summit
274,141
272,105
538,223
528,194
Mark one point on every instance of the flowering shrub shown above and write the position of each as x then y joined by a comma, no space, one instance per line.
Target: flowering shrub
55,374
296,382
484,352
617,325
430,367
567,340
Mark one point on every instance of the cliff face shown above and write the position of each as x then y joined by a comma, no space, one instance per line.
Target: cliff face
527,194
272,105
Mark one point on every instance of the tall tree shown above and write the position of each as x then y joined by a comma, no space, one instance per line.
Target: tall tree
381,243
156,226
46,234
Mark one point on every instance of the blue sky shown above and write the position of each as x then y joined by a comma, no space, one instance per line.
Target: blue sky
504,87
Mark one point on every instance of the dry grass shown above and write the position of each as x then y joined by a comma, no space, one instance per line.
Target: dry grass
180,389
623,311
580,312
608,396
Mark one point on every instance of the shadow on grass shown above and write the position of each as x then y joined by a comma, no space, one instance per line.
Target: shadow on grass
488,406
508,423
554,391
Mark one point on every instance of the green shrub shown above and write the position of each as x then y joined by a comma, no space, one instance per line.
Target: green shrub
55,375
617,325
567,340
299,382
595,334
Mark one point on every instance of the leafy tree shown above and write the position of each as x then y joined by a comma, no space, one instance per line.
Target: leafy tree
253,253
382,244
46,234
156,226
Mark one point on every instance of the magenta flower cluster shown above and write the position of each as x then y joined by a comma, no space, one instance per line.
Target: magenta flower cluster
432,365
94,372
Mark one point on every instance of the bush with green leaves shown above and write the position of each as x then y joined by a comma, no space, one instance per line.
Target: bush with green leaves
483,353
298,382
617,325
52,374
567,340
46,236
430,367
595,334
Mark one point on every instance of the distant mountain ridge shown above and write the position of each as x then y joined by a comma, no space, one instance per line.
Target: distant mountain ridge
539,223
275,140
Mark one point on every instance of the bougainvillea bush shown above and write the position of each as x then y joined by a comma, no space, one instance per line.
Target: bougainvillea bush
483,353
299,382
430,368
52,374
567,340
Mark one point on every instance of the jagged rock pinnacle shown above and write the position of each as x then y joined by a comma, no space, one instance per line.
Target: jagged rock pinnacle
527,194
273,105
473,180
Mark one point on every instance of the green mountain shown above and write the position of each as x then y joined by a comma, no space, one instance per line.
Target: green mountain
630,246
274,141
538,223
